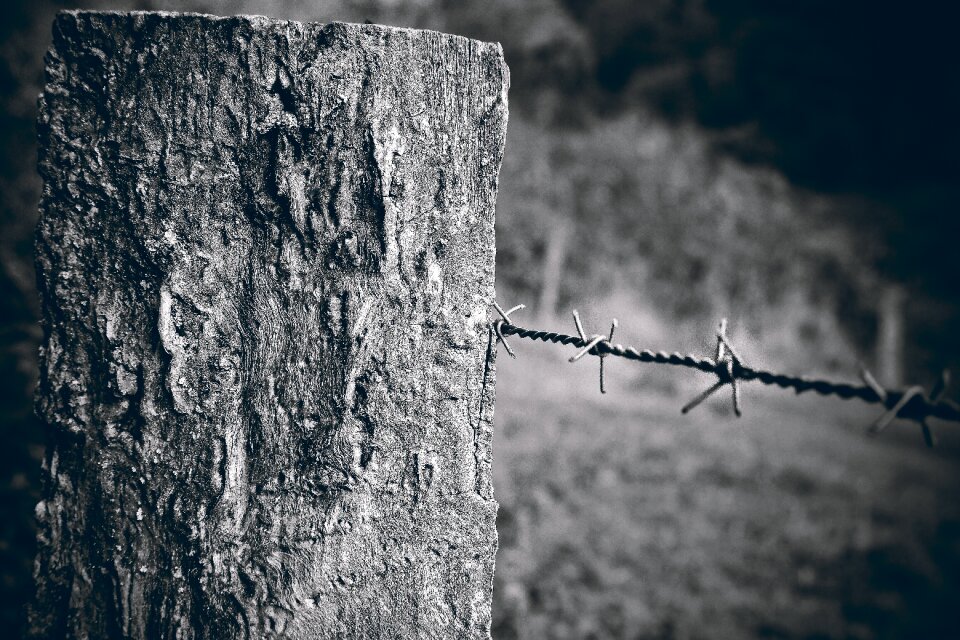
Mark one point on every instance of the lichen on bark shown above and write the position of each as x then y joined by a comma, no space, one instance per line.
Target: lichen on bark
265,253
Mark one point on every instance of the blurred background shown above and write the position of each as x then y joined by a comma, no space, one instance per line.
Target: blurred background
790,165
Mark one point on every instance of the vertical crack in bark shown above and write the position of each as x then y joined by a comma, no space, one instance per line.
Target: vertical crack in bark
480,486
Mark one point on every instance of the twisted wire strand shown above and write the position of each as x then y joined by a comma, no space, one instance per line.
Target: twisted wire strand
917,407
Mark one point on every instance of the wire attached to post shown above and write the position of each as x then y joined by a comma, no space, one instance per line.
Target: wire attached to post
910,404
506,319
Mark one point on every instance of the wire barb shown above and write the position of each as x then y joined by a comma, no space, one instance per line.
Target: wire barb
884,420
498,325
702,396
590,345
727,363
613,327
871,382
936,395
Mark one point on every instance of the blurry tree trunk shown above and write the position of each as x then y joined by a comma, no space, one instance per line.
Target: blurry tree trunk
552,276
265,254
890,335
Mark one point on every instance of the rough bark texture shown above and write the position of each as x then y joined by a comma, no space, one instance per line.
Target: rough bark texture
265,254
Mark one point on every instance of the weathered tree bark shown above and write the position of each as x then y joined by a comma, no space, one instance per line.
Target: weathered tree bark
265,254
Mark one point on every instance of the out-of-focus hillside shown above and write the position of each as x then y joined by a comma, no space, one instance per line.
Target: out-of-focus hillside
646,213
620,518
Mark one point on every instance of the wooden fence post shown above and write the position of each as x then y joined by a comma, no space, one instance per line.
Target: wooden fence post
265,254
891,328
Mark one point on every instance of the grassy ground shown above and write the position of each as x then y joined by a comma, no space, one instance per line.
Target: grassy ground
621,518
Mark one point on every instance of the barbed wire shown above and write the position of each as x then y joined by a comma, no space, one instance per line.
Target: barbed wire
912,403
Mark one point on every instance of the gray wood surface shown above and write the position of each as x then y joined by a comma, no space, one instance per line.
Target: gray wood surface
265,254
